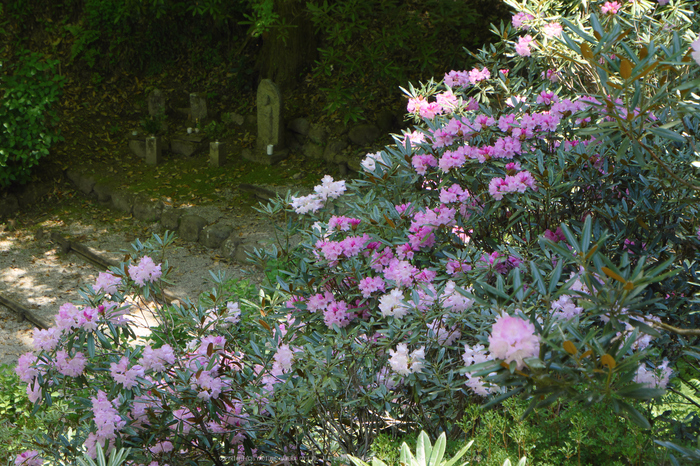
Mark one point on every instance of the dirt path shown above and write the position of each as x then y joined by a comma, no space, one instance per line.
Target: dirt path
36,274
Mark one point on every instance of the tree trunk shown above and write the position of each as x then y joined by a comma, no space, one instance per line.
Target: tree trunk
288,50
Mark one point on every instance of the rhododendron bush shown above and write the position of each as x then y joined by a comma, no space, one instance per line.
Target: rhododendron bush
534,234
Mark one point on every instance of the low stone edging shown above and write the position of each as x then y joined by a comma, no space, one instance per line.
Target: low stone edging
208,225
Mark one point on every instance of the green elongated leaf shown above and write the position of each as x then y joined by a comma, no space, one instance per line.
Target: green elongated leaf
518,284
639,392
622,151
423,449
578,31
358,461
556,275
91,345
595,24
667,134
459,454
438,450
586,234
570,238
634,415
538,279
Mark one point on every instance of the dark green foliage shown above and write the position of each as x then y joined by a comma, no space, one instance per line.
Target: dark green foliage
144,35
576,434
366,42
29,90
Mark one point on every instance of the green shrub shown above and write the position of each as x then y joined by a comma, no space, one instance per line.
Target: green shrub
29,90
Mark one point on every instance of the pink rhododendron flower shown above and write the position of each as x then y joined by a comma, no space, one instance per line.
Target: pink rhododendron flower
145,271
369,285
404,364
552,30
46,339
25,367
456,78
106,283
696,50
156,359
370,161
654,378
72,367
522,48
391,304
551,75
305,204
29,458
34,392
121,373
513,339
161,447
610,8
477,355
519,20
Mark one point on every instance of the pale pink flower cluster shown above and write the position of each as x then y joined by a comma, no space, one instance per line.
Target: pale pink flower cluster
565,308
283,360
404,363
46,339
350,246
343,223
423,108
106,283
156,359
392,305
401,272
654,378
553,29
522,48
161,447
71,367
520,19
610,8
445,334
696,50
551,75
146,271
29,458
369,285
370,161
334,312
208,387
121,373
513,339
107,420
453,300
519,183
328,189
25,368
477,355
466,78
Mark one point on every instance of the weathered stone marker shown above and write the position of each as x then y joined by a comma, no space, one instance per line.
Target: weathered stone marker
217,154
270,124
153,150
156,104
198,107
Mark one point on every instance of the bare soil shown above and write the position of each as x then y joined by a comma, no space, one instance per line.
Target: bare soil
36,274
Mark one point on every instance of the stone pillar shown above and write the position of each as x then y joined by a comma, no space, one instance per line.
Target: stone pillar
270,123
198,108
156,104
153,150
217,154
